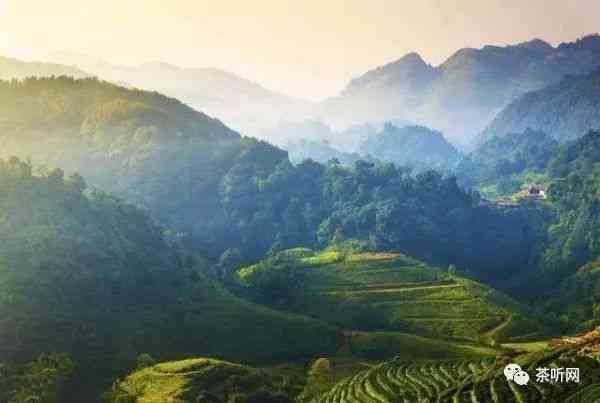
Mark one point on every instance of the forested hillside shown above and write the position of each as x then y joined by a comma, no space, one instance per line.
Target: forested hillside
86,274
218,191
501,165
414,146
152,150
565,111
575,193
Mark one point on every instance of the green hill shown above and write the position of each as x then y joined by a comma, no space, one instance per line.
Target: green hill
86,274
385,291
206,381
415,146
475,381
149,149
501,165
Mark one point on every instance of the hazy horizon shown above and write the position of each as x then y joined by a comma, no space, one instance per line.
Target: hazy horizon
307,50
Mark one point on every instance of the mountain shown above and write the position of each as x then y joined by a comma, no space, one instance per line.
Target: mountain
242,104
16,69
322,152
309,129
463,94
565,111
499,163
152,150
575,195
84,273
415,146
316,131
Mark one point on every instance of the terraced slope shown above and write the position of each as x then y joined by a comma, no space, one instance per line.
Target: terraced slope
474,381
395,292
204,380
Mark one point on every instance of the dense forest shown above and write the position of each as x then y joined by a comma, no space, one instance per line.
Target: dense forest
87,274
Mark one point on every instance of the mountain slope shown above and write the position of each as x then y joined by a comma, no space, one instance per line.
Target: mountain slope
415,146
384,292
242,104
462,95
149,149
478,381
565,111
501,165
86,274
205,380
16,69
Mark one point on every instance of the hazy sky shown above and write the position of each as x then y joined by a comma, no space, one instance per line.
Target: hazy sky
307,48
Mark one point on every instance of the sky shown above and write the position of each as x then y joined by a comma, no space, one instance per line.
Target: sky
303,48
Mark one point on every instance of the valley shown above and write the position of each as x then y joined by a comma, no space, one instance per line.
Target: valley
176,234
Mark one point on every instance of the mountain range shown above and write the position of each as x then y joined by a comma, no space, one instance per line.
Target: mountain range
245,105
464,93
460,97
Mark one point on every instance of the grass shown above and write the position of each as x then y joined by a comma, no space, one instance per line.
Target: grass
393,292
527,347
212,380
382,345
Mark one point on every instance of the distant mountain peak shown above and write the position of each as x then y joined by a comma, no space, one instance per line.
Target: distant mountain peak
410,58
157,64
536,44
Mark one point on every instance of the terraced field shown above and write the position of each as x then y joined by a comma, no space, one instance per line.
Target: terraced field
405,294
470,381
204,380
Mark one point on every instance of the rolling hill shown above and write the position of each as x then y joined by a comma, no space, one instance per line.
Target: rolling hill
462,95
386,292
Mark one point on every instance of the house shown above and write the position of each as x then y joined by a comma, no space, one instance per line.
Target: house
536,192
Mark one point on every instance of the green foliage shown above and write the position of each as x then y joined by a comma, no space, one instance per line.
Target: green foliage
207,381
384,291
41,381
91,276
321,378
574,239
414,146
218,191
506,162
